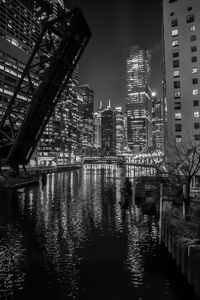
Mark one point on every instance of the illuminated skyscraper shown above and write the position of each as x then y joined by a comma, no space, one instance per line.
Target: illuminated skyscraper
120,129
19,31
88,109
157,123
138,100
108,131
97,130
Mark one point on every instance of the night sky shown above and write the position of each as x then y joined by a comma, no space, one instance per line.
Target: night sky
116,25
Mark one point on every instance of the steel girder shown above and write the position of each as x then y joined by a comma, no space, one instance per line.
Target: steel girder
47,71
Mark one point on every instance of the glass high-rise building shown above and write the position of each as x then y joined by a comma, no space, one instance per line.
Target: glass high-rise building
138,100
19,31
88,110
120,129
108,131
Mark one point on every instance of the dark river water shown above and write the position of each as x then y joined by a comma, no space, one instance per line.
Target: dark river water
69,239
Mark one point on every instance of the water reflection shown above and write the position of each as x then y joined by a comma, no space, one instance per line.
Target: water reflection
92,249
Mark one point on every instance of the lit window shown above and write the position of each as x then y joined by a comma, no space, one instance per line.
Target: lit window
174,32
178,139
196,114
177,94
176,73
174,43
194,70
177,116
195,92
193,28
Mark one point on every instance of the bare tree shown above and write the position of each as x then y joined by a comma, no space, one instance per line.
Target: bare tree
181,162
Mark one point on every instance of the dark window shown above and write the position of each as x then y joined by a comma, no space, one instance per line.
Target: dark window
174,22
189,8
194,58
178,127
177,105
172,14
190,18
176,63
193,38
196,125
177,84
195,80
171,1
196,103
197,137
175,53
194,48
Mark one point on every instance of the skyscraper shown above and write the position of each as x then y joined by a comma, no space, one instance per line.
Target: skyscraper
182,66
120,129
108,131
138,100
97,130
88,109
157,123
19,31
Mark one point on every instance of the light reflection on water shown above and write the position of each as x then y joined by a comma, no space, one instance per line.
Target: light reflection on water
92,249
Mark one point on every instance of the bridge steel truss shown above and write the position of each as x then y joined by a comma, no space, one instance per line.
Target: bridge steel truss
46,73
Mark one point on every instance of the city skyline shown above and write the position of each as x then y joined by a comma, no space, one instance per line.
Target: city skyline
124,24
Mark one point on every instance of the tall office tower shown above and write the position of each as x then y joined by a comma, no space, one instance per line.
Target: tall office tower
120,130
182,68
97,130
88,111
157,123
48,9
62,136
138,100
108,131
19,31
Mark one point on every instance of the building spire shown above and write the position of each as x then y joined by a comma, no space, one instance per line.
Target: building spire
109,105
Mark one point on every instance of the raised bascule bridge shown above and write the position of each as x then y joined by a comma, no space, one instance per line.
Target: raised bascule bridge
49,68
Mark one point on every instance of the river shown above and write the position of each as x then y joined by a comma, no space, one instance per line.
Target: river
69,239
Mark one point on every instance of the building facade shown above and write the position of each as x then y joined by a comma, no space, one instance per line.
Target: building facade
87,95
182,68
138,100
97,130
108,132
158,120
19,31
120,129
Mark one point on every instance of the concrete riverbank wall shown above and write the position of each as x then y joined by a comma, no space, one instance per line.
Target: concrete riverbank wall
185,251
33,175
